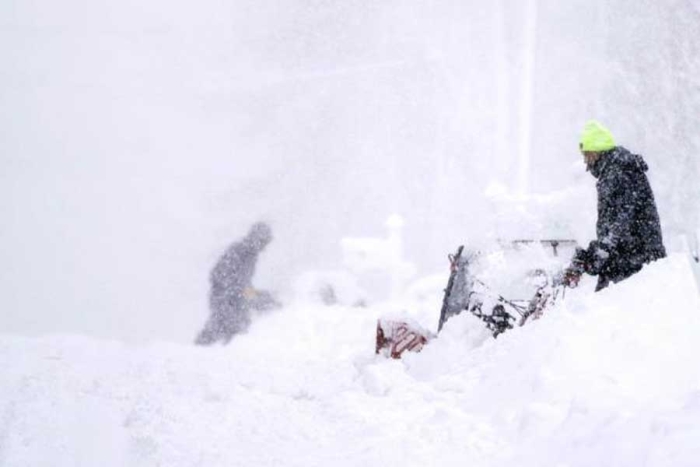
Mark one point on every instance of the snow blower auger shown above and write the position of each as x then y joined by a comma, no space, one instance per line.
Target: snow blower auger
464,291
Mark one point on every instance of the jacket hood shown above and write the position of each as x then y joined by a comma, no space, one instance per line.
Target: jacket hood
258,236
618,157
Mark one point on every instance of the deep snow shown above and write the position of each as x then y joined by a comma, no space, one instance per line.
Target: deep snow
602,379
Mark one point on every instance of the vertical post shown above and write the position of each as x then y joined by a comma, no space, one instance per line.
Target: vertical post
527,96
502,75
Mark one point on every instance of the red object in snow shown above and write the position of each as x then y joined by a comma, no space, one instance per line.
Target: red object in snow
396,337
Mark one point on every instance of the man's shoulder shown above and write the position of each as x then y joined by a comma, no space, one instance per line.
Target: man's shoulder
622,163
627,160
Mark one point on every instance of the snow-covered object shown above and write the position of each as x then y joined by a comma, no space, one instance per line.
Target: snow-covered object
394,337
330,287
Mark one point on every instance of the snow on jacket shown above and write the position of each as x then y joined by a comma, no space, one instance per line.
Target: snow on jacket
233,273
628,228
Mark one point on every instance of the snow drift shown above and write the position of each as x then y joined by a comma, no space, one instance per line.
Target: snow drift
603,379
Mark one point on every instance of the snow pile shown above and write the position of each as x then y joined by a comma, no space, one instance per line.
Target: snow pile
603,379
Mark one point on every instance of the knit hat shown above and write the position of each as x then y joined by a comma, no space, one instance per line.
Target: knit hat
596,138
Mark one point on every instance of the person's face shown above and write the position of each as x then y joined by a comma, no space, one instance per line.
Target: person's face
589,157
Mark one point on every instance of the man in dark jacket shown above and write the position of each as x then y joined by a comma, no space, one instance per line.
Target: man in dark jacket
232,296
628,228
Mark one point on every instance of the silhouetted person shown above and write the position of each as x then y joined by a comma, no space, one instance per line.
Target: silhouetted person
232,296
628,228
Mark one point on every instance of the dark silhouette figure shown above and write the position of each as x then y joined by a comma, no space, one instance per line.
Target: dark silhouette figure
232,296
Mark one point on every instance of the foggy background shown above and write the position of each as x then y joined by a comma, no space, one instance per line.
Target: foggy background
138,140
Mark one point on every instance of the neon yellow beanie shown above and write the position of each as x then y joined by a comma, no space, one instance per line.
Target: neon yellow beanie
596,138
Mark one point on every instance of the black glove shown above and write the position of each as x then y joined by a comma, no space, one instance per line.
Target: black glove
571,276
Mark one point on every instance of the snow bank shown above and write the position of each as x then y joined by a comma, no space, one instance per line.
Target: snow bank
603,379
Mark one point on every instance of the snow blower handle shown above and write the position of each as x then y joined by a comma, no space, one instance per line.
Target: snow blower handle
571,276
454,266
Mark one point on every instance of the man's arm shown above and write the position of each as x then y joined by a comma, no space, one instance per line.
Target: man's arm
618,201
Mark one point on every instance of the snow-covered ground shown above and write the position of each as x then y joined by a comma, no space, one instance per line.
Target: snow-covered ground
607,379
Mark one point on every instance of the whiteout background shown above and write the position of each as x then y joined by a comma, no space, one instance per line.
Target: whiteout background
138,139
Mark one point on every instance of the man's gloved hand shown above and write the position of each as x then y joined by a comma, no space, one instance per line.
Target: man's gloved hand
579,264
249,293
263,300
571,277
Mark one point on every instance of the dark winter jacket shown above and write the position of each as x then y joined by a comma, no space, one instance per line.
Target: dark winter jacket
232,274
628,228
231,296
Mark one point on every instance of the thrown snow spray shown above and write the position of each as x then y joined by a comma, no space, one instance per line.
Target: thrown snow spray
363,256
